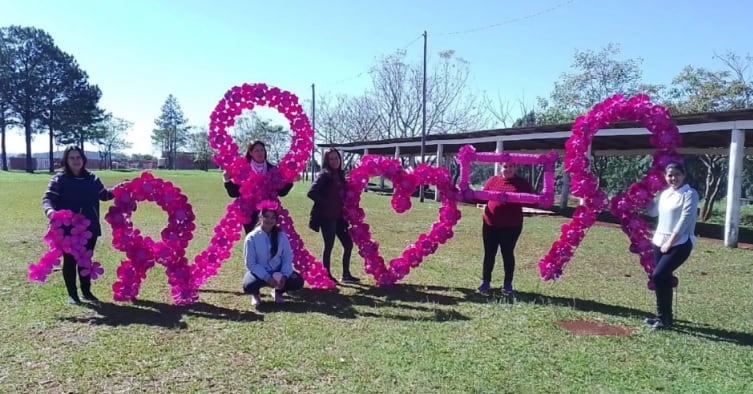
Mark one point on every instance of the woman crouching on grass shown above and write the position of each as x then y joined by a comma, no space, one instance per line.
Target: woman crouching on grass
269,258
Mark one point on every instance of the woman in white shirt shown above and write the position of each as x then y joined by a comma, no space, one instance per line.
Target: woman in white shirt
269,260
673,239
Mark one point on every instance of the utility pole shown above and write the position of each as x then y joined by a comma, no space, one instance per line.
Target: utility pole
313,128
423,123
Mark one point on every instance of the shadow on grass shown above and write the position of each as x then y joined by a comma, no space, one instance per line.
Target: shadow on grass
576,303
218,291
398,302
158,314
681,326
714,334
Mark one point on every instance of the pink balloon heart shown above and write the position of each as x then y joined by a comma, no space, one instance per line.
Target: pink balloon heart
404,182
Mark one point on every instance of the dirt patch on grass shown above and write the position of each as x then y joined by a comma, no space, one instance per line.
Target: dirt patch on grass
590,327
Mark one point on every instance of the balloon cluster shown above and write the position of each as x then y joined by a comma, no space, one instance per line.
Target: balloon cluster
467,154
665,136
404,183
142,252
68,233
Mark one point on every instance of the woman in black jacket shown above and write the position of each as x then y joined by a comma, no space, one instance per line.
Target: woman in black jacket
256,155
80,191
328,191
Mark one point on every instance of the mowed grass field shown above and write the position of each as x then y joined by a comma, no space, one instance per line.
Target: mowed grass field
430,333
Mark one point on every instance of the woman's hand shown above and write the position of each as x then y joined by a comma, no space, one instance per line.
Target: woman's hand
279,280
665,247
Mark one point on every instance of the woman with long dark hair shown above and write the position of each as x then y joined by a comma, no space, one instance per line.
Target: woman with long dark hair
78,190
256,155
677,209
269,260
327,192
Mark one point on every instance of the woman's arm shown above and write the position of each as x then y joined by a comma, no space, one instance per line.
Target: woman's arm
688,214
231,188
317,188
286,254
104,193
285,190
253,264
653,208
51,196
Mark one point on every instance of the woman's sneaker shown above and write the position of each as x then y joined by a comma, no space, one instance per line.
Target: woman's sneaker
507,289
91,298
255,299
661,325
484,288
278,296
350,279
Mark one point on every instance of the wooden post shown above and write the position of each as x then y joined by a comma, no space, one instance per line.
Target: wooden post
440,156
565,195
397,153
497,167
590,158
734,187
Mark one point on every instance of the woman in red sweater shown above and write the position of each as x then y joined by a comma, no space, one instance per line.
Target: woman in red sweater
503,223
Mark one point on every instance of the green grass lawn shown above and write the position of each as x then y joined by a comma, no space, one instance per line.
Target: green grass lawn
430,333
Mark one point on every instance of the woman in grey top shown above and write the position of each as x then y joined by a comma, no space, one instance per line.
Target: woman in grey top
677,209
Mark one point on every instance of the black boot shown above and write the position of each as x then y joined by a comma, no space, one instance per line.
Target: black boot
86,289
664,318
69,278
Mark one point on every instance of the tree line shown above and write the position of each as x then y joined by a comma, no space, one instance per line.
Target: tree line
391,108
43,90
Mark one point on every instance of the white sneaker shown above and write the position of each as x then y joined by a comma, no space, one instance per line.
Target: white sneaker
255,299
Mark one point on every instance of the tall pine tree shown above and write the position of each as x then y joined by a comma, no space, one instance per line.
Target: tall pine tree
172,132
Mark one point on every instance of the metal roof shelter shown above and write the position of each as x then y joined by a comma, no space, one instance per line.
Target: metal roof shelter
727,133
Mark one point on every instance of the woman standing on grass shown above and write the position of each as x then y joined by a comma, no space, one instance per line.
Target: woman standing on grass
269,260
502,225
327,192
673,239
256,155
78,190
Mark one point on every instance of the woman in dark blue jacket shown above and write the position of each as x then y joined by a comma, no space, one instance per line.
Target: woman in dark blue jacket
256,155
80,191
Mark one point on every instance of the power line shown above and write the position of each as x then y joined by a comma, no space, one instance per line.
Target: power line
513,20
473,30
359,75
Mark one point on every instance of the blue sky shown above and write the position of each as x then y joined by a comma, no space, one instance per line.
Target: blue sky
139,51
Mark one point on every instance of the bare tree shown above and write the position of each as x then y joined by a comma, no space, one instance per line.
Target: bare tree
198,143
346,118
500,110
249,127
392,108
741,68
696,89
110,136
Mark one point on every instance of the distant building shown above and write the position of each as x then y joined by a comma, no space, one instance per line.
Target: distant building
185,161
41,161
